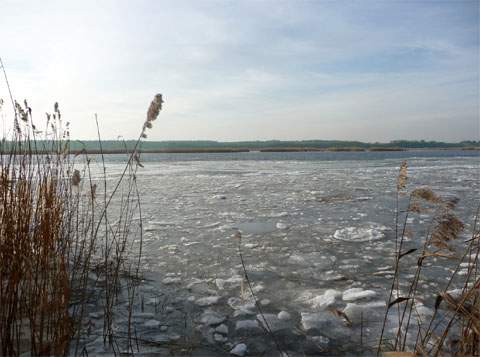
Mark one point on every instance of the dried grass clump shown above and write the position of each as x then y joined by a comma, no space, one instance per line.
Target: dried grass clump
35,291
55,234
463,312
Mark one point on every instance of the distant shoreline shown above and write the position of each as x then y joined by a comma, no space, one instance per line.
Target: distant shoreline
273,149
203,146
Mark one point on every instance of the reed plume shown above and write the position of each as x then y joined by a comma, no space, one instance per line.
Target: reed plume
54,234
445,227
402,176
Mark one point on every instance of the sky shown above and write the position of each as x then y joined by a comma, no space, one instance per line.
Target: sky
248,70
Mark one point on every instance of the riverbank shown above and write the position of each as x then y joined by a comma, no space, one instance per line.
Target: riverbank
204,146
244,150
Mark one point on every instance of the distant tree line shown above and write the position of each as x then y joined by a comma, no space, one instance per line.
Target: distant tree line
120,145
202,144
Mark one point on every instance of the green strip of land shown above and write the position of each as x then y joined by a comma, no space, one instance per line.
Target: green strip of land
202,146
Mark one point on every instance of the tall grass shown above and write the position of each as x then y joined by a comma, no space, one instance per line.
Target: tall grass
66,240
454,326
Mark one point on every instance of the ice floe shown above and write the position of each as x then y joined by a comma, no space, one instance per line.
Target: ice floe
207,301
354,294
324,322
273,323
212,318
284,315
171,280
152,323
239,350
357,313
325,300
223,329
247,327
361,234
229,283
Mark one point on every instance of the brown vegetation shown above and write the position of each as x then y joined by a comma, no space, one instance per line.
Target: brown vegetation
460,314
62,246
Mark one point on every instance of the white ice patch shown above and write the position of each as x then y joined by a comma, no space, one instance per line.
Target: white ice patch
358,312
277,215
371,232
229,283
354,294
325,300
242,307
212,225
296,259
207,301
363,198
239,350
152,323
212,318
319,301
247,325
167,281
273,323
284,315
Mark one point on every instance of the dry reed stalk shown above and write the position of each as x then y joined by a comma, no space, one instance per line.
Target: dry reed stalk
51,241
238,237
444,228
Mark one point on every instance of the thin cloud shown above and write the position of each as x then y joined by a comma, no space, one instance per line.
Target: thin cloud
252,70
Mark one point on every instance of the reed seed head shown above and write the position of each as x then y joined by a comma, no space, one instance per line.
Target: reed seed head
447,229
426,193
76,178
415,207
94,191
402,176
155,107
237,235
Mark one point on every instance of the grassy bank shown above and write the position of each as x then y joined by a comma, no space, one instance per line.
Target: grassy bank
146,146
93,151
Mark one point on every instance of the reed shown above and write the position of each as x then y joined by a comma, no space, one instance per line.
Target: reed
66,242
453,329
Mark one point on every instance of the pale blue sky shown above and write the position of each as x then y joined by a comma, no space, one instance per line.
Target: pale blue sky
246,70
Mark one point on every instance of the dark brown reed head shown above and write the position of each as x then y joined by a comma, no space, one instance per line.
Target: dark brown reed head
426,194
76,178
447,229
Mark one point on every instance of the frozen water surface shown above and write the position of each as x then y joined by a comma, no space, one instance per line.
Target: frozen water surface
317,233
